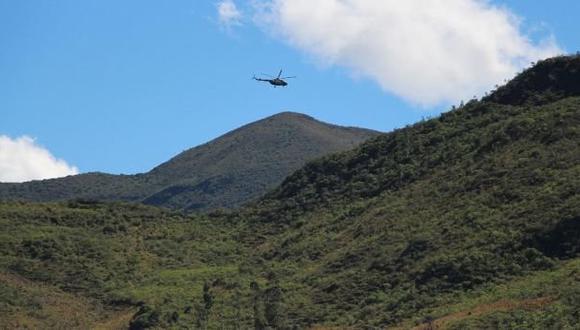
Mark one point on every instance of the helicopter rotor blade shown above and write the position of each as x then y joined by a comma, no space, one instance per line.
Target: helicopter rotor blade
279,74
288,77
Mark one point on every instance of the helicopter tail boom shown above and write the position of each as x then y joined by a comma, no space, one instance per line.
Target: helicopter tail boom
260,79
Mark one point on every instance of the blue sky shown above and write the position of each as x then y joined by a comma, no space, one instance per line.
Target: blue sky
121,86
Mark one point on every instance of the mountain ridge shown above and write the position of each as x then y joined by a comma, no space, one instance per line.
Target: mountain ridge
224,172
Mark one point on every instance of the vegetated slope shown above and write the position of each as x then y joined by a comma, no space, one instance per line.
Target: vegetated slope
413,219
477,211
26,304
84,265
548,81
226,172
249,161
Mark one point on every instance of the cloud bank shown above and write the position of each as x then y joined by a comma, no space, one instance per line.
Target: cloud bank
228,13
427,52
21,159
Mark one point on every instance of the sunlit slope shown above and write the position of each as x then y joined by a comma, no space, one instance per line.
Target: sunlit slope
480,195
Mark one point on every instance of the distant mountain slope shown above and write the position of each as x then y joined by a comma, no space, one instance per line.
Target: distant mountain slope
226,172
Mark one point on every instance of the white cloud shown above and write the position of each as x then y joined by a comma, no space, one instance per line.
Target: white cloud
228,13
425,51
21,159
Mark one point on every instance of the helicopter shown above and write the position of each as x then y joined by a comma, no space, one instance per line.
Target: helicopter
275,81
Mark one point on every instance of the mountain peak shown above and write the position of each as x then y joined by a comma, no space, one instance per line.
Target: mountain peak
250,160
226,172
545,82
285,115
246,162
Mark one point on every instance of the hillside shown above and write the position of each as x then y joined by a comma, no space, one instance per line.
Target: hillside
80,265
224,173
415,219
466,221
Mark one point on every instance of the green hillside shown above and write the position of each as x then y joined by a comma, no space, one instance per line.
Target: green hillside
466,221
108,259
227,172
412,219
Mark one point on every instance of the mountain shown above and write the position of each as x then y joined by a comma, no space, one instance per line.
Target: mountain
439,214
466,221
224,173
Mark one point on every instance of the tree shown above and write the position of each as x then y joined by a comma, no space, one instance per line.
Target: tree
259,322
272,306
205,308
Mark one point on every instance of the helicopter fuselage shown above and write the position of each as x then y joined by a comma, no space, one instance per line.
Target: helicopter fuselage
277,82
